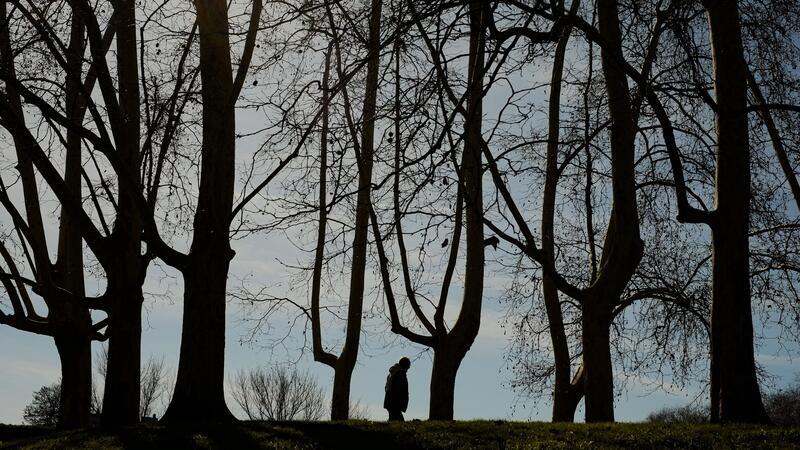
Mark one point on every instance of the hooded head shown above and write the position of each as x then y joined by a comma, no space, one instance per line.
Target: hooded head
405,363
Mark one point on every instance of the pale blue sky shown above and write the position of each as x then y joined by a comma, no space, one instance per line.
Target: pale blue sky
28,361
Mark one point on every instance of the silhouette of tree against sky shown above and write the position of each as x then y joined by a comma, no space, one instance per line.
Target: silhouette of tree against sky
662,118
449,344
116,249
60,285
136,146
682,296
279,393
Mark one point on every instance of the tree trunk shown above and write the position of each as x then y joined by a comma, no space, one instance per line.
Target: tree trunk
732,325
121,395
731,316
122,389
199,390
563,409
567,395
346,362
622,247
576,394
453,346
71,319
340,402
340,399
563,391
598,380
443,383
75,353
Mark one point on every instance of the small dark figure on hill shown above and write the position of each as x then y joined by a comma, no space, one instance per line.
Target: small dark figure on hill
396,399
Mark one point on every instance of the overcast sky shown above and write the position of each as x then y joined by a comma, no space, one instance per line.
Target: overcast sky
29,361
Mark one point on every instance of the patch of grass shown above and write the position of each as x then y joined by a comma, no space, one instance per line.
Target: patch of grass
489,435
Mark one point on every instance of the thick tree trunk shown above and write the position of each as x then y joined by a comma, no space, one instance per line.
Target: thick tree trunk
199,390
622,247
598,376
70,319
731,322
75,353
121,395
731,316
122,389
443,383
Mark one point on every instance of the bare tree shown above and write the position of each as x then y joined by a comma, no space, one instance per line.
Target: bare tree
622,248
735,394
450,344
567,390
278,393
155,386
344,363
733,370
199,389
113,132
61,285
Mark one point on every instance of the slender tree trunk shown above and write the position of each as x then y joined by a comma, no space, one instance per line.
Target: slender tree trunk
346,362
122,389
576,390
340,399
75,353
731,316
563,390
340,402
199,390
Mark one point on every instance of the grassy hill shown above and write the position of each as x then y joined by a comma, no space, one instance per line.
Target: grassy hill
412,435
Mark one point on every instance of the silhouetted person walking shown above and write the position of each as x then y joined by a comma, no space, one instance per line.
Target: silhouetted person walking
396,398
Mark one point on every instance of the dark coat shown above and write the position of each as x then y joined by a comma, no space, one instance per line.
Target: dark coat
396,397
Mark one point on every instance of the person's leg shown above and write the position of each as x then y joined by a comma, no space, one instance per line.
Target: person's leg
395,415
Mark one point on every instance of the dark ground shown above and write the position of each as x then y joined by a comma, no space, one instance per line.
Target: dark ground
412,435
